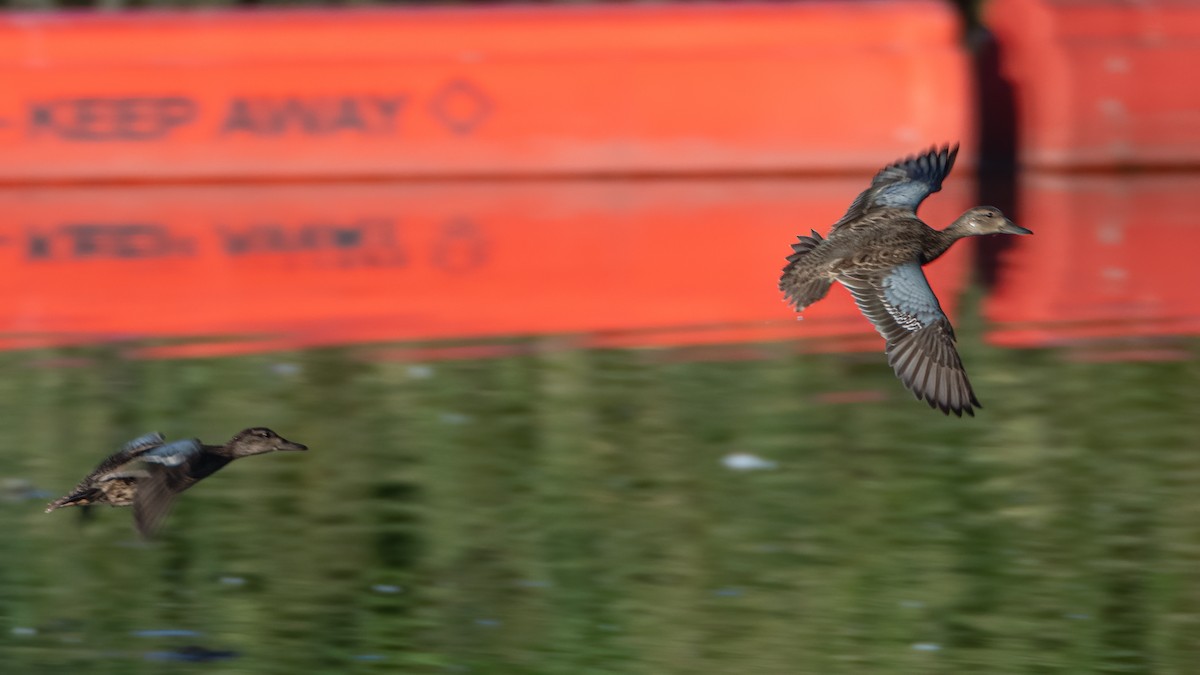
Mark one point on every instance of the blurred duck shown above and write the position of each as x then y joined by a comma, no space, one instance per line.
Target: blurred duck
876,251
148,472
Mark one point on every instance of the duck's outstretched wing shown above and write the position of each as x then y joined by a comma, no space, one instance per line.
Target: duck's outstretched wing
920,340
167,477
903,184
129,452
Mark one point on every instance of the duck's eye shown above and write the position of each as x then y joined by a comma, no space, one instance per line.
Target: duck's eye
989,214
262,433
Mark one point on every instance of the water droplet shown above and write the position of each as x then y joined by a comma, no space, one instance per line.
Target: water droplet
420,371
744,461
285,369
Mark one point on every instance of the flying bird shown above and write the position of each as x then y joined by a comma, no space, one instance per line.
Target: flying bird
877,251
149,473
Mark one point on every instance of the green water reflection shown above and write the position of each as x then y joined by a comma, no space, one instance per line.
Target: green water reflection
570,511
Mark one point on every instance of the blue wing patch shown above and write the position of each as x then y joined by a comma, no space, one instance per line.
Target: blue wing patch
174,453
906,195
909,299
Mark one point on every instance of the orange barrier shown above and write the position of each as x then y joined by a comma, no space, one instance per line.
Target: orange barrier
1113,256
262,267
815,86
1102,84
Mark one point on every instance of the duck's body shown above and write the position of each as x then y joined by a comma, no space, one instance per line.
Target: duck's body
149,473
876,251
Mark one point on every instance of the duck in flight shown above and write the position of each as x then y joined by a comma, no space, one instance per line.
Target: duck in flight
149,472
876,251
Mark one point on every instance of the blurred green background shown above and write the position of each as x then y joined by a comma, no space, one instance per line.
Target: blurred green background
574,511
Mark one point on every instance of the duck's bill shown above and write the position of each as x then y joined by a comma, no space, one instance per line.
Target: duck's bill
1009,227
287,446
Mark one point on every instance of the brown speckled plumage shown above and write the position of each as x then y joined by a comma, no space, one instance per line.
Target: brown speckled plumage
876,251
149,473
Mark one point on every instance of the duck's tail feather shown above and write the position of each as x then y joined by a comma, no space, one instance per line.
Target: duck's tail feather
802,246
76,498
799,286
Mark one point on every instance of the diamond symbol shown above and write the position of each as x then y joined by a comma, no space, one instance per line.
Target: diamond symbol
460,106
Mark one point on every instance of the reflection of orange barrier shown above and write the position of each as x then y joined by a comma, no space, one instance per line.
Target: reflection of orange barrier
645,262
1103,83
812,86
1113,256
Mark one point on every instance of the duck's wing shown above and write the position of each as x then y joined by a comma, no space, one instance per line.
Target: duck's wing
175,453
167,469
903,184
920,340
128,453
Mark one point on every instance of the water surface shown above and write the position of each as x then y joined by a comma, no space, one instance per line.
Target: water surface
743,509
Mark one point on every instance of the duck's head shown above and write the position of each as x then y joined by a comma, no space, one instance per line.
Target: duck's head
987,220
258,440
